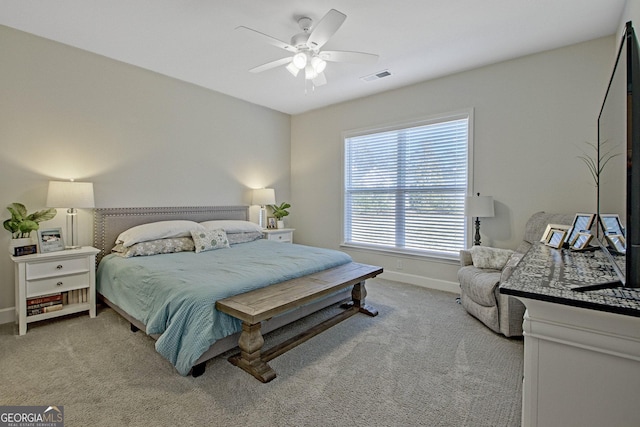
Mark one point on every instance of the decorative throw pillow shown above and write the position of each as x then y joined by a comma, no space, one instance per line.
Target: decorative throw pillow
493,258
155,247
206,240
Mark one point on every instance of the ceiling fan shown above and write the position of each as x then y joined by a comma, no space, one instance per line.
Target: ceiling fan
306,46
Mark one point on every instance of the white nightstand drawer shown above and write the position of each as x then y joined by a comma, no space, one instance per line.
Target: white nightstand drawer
282,235
57,284
37,270
285,237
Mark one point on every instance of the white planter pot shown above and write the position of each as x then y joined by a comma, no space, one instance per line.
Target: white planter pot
17,243
280,224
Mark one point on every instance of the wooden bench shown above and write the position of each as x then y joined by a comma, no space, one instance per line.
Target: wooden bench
261,304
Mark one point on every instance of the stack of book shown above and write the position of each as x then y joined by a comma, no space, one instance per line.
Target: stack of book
44,304
77,296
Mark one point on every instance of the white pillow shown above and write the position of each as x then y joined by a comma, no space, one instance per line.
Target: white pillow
487,257
206,240
157,230
232,226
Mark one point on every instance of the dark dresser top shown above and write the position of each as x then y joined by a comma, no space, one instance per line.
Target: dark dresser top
549,274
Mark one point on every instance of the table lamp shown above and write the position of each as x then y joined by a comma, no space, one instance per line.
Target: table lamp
263,197
479,206
70,195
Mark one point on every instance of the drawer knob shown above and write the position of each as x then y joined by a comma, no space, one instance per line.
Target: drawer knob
59,266
59,284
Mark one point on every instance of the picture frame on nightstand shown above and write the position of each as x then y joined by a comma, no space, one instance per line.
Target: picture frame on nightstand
50,240
271,223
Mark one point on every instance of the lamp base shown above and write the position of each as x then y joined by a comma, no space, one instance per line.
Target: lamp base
262,221
476,242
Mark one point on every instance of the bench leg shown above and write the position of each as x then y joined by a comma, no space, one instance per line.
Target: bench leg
358,294
250,357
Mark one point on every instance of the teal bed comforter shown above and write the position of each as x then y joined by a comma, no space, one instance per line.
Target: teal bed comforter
174,295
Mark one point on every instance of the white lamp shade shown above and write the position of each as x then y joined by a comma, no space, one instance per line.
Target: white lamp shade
264,196
479,206
70,194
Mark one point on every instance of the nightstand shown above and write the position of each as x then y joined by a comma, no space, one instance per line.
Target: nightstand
283,235
42,277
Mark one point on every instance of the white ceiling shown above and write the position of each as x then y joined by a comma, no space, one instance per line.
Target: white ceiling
195,40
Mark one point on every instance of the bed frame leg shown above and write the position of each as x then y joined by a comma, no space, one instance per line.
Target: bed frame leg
134,328
198,369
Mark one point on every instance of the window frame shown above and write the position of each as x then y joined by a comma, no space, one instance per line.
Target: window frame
399,125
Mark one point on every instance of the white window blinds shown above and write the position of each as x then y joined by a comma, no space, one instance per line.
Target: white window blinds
405,188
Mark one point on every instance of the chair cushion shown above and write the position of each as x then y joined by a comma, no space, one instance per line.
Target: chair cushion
479,284
487,257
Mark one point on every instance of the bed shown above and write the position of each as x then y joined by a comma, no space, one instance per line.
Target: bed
171,296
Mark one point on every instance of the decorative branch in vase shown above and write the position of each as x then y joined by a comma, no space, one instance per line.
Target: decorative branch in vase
596,165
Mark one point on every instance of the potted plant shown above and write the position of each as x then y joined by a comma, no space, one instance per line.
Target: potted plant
280,212
21,224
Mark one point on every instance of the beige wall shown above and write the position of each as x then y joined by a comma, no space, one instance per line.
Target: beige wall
531,116
148,140
143,139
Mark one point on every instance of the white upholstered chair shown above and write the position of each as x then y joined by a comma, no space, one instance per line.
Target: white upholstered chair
479,291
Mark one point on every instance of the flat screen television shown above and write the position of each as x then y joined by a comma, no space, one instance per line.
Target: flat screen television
619,163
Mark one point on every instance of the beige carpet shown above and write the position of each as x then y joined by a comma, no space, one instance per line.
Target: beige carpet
422,361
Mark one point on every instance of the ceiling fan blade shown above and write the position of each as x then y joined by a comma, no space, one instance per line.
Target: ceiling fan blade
327,26
270,65
346,56
320,80
268,39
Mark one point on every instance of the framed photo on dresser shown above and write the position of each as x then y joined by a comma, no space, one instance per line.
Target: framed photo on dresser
556,238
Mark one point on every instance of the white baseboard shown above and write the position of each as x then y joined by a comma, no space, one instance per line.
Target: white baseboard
7,315
425,282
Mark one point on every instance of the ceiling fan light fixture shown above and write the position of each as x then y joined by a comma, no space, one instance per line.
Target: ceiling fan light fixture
293,69
300,60
318,64
310,73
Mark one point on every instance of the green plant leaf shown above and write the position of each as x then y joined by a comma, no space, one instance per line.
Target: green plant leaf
43,215
18,209
27,226
11,226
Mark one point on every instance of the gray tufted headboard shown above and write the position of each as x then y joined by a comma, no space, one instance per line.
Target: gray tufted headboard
108,223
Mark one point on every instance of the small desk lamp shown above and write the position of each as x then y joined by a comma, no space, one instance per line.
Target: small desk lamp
263,197
479,206
63,194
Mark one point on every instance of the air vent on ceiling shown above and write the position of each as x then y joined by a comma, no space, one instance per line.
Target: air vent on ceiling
376,76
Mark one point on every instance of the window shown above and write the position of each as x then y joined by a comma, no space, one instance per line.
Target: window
405,187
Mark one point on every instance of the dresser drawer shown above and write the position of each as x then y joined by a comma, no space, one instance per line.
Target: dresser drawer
57,284
36,270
